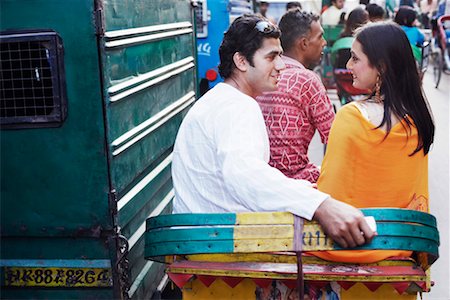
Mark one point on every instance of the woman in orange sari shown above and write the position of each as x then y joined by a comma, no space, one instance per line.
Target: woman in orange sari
377,148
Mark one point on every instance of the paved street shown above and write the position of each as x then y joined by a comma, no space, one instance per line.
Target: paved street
439,100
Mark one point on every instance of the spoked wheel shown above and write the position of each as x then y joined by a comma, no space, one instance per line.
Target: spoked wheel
438,65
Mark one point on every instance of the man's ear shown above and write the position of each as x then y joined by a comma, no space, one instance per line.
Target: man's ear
240,61
302,42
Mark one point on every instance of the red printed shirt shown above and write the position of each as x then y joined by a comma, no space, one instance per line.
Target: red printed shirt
292,114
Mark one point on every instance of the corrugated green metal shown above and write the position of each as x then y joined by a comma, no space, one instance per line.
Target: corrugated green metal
58,174
54,182
127,94
149,77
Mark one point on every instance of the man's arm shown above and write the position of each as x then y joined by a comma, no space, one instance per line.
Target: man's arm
260,187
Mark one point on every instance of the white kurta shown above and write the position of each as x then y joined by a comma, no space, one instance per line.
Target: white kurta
220,161
331,16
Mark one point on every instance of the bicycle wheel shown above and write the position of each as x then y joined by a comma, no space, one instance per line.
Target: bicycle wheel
438,65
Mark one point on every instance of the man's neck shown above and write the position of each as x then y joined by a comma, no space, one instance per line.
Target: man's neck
240,84
296,55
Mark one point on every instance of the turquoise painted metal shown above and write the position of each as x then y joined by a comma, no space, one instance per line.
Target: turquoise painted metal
398,229
190,219
81,193
400,215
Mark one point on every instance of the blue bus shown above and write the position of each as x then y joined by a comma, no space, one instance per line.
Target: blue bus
213,17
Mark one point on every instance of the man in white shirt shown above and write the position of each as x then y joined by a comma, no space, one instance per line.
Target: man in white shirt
332,15
221,154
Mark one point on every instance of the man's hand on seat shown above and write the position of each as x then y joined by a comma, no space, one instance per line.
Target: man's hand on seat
344,223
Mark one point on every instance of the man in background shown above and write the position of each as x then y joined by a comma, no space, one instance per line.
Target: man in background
334,14
300,106
263,7
376,12
293,5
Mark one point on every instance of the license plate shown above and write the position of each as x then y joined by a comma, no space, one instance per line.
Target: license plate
57,277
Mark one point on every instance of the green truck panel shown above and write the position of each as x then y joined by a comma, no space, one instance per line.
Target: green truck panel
80,192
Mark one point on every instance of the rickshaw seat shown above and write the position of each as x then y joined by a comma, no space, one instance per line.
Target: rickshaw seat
265,246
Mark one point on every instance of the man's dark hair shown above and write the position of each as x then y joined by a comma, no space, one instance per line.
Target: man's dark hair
375,11
244,37
293,4
294,24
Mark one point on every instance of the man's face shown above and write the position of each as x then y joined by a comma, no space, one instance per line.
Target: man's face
339,3
316,43
263,76
263,8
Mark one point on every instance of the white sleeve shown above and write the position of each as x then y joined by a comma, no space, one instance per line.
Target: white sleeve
242,148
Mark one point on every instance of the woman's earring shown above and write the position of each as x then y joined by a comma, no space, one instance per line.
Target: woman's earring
378,90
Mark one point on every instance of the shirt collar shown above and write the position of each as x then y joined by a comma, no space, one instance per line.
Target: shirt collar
290,61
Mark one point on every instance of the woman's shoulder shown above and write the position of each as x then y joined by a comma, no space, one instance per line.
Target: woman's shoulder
349,110
347,117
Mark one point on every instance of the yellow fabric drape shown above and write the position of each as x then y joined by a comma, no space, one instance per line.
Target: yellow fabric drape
362,169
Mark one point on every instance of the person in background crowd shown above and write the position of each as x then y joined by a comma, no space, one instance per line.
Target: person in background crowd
376,12
333,15
409,3
443,8
363,3
356,19
300,106
427,8
406,17
373,141
263,7
293,5
221,153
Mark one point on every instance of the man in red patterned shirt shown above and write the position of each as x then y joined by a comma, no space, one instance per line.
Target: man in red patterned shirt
300,105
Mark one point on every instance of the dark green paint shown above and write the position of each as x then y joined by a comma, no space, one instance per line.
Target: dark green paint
331,33
227,246
55,183
191,220
151,279
133,110
199,233
399,243
123,14
398,229
145,202
52,172
193,234
194,247
156,55
411,230
129,167
54,248
134,161
400,215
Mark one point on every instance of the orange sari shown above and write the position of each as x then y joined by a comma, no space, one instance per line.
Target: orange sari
362,169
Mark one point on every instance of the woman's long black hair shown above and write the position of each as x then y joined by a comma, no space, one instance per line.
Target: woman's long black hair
389,50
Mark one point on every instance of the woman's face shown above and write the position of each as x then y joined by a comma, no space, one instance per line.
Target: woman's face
364,74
